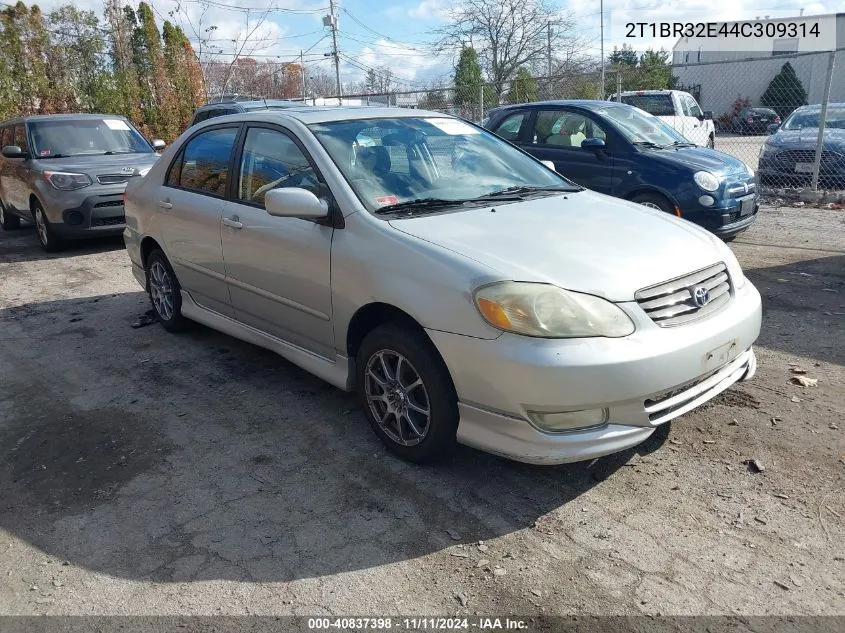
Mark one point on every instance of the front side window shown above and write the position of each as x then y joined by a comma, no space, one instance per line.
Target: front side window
56,138
272,160
19,137
562,128
203,164
509,128
6,136
391,161
690,106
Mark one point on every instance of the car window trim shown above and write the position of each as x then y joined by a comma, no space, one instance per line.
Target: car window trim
238,127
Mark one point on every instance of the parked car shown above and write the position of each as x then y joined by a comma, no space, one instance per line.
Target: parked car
233,104
788,155
754,120
679,110
465,291
67,174
625,152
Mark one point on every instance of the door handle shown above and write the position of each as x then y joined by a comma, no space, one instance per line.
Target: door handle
163,204
233,223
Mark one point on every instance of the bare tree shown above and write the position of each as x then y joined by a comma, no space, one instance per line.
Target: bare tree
506,34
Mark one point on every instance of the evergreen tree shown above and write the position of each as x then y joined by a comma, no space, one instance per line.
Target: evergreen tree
785,92
624,56
468,79
523,87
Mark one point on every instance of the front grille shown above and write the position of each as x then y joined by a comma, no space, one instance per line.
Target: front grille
792,156
118,219
741,189
113,179
673,302
109,203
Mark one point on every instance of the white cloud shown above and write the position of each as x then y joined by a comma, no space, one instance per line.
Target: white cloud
430,10
412,66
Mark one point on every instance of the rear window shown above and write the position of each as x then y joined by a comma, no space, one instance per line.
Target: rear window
658,105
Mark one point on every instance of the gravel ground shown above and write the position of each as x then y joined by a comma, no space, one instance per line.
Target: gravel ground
149,473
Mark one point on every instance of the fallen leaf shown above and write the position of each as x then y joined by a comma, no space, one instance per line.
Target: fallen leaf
798,370
804,381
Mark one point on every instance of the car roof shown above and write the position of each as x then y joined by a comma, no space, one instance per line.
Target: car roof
252,104
587,104
318,114
627,93
63,117
817,106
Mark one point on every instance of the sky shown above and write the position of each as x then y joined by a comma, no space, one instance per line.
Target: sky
397,33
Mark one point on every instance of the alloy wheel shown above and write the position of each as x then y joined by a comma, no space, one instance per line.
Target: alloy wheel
161,290
41,226
397,397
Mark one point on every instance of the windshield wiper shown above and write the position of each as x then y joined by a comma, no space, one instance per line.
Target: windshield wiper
418,204
120,151
54,156
683,144
523,189
648,144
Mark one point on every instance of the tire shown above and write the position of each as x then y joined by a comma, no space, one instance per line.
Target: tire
46,236
165,292
654,201
711,142
8,221
425,430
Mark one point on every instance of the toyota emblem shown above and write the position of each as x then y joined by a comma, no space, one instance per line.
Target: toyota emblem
701,295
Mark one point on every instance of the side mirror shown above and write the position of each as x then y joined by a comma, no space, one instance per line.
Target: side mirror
592,144
707,115
158,144
774,127
293,202
549,164
13,151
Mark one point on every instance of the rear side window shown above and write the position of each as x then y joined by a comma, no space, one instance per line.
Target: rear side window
203,164
658,105
509,128
199,117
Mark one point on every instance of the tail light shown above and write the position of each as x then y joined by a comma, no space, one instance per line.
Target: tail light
777,119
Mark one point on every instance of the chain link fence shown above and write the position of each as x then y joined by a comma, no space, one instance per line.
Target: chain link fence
783,115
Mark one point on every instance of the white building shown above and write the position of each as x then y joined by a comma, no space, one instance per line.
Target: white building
724,75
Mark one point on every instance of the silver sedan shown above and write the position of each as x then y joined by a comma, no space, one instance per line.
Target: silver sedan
467,292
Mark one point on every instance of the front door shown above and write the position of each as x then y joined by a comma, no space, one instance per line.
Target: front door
15,185
695,128
557,134
278,269
190,209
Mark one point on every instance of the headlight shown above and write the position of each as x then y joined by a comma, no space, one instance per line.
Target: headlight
546,311
706,180
67,181
734,269
765,148
749,170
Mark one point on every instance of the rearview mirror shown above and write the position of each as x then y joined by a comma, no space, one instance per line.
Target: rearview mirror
158,144
549,164
293,202
13,151
593,144
774,127
707,115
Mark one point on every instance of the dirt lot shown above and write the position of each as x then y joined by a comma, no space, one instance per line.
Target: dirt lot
148,473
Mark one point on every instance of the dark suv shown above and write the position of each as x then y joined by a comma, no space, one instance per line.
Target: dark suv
67,173
233,104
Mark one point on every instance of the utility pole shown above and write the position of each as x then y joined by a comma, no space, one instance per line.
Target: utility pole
619,85
331,20
601,9
549,47
302,73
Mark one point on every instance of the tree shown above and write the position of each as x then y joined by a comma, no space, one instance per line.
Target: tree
624,56
76,57
523,88
785,92
506,34
379,80
468,79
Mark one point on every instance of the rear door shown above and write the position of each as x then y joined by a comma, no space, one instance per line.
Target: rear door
556,134
190,206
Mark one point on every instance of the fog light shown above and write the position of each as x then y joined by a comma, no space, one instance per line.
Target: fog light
706,200
569,420
75,218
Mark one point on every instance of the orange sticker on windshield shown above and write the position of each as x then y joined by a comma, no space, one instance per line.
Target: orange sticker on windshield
386,200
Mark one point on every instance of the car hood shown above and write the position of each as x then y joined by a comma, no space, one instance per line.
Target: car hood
699,159
98,163
585,241
806,137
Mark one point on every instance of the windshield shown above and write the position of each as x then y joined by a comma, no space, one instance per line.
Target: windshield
658,105
79,137
640,127
391,161
801,119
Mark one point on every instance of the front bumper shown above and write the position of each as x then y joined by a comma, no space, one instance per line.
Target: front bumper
725,217
644,380
101,214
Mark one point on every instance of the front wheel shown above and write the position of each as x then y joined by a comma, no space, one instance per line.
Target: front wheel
46,236
711,142
654,201
407,393
165,292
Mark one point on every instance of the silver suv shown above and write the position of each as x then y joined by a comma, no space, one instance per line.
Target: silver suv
466,291
67,173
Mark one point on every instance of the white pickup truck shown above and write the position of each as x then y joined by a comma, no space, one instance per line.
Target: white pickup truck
678,109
